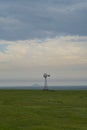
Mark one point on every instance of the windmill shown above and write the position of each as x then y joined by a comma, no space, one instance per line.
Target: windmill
45,75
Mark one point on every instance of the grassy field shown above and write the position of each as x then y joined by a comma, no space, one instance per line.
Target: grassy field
43,110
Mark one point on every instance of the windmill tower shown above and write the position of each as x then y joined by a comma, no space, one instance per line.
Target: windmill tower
45,75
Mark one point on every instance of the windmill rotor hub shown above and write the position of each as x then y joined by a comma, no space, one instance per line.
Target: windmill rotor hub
46,75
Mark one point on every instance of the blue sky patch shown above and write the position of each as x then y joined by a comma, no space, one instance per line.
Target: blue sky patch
3,47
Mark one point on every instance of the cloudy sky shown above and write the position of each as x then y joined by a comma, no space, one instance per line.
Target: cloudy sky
38,36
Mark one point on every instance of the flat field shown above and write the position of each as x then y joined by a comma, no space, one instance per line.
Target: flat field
43,110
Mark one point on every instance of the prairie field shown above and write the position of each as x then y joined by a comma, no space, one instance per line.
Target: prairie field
43,110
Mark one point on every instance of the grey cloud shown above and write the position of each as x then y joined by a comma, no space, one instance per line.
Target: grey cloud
31,19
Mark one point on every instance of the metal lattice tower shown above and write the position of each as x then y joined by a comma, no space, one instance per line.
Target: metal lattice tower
45,80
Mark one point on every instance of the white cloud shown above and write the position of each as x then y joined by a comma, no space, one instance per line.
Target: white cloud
52,52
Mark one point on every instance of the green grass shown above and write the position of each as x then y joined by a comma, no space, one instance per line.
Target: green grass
43,110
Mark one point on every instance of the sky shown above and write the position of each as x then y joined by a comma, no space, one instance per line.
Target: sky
38,36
